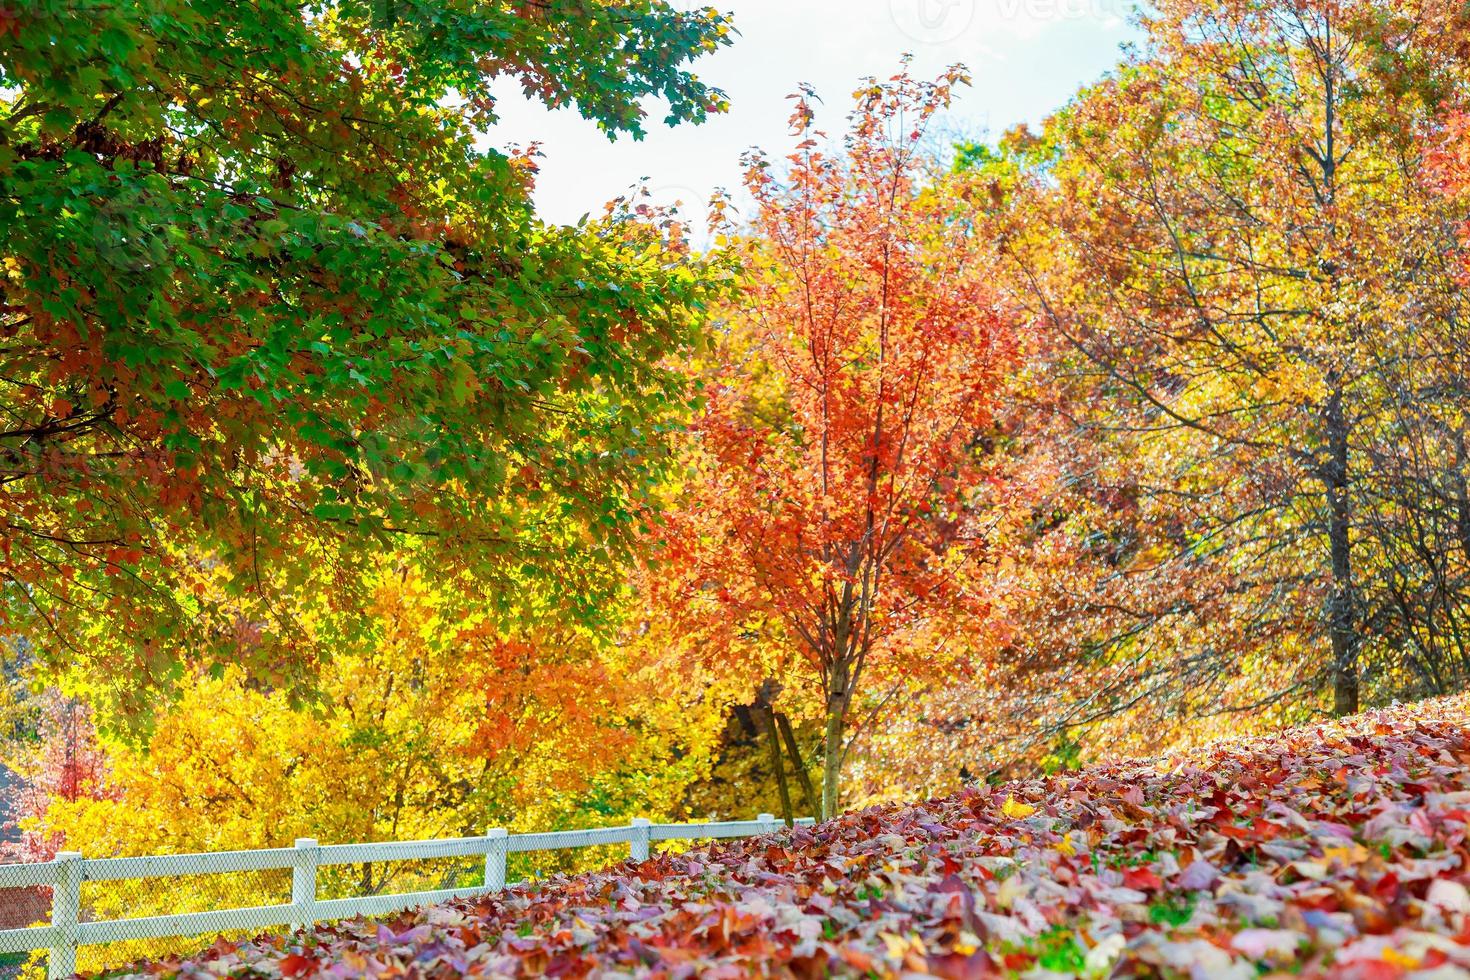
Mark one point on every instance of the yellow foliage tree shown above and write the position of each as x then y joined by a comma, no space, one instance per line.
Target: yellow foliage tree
430,723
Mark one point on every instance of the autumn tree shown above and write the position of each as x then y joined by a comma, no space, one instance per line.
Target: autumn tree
1233,236
268,291
437,719
56,760
827,525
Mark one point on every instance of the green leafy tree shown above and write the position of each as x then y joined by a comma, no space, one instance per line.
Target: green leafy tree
267,291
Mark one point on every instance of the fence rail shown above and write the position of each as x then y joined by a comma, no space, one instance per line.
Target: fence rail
65,874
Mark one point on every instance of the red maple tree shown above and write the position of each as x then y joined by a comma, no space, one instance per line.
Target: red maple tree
840,457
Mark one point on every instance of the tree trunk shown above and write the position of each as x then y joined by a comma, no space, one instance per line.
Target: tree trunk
832,760
1342,602
793,751
1462,494
773,741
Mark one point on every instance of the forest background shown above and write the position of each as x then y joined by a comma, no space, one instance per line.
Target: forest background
343,497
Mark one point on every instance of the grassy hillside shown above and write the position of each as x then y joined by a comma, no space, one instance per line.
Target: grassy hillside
1336,849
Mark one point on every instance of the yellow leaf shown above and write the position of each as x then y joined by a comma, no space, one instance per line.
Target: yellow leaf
1016,810
1346,853
900,946
1396,958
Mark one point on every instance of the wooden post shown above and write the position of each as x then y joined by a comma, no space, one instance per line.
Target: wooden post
638,848
303,883
495,859
66,912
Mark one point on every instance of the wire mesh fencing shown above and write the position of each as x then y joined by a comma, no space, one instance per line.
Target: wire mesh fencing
538,865
168,893
20,908
76,914
371,878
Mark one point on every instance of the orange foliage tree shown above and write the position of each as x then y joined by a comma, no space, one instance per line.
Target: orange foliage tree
1231,242
829,525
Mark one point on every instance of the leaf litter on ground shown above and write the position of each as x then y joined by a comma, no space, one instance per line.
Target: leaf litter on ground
1336,849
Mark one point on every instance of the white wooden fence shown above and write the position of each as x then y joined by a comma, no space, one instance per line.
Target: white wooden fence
65,874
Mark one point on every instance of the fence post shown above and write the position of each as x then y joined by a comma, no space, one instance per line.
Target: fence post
303,883
638,847
495,859
66,912
768,819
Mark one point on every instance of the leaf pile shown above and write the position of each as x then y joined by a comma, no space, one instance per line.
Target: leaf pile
1337,849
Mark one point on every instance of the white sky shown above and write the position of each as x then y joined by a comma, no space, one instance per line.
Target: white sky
1026,56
